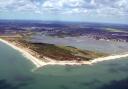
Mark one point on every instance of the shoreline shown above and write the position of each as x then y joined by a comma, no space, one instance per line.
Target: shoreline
39,63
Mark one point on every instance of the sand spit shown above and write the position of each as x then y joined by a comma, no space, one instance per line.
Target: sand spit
40,63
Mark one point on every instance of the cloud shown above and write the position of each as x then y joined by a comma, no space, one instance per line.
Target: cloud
17,5
96,7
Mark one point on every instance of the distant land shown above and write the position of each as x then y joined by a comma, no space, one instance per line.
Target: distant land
118,32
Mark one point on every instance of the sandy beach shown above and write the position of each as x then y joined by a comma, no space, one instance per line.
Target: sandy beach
40,63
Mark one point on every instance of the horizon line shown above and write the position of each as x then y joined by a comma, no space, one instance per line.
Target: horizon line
91,22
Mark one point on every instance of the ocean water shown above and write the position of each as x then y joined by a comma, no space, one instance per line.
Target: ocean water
16,73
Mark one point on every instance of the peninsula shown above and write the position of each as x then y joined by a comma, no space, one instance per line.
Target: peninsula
42,54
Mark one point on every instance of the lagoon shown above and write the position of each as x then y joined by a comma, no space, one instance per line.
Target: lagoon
84,43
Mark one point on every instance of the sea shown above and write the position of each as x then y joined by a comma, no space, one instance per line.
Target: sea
17,72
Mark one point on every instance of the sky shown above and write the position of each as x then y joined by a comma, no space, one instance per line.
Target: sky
109,11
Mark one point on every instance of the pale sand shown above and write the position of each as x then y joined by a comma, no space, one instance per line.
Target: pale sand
36,61
39,63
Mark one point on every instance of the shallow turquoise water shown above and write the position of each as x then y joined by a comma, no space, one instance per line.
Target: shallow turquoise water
16,73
